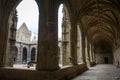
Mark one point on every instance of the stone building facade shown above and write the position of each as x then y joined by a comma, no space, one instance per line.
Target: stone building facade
26,45
22,43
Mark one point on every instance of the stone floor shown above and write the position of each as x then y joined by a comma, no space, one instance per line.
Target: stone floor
100,72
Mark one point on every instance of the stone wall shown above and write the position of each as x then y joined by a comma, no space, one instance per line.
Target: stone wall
62,74
29,48
100,58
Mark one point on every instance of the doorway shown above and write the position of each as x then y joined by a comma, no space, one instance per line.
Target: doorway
24,59
106,60
33,51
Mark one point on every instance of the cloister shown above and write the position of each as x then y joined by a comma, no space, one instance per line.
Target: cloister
90,36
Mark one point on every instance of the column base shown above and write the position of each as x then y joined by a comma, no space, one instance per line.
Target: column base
92,64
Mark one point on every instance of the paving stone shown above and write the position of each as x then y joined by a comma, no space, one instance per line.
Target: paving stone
100,72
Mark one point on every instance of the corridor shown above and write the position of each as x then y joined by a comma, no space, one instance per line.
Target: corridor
100,72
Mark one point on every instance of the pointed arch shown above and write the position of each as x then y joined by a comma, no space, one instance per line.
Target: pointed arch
13,19
24,55
33,54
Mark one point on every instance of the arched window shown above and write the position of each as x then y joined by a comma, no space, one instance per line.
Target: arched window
23,29
33,54
24,57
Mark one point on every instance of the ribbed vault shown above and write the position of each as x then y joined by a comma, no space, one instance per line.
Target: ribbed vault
99,17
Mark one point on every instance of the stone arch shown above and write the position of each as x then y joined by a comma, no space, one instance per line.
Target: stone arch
33,54
11,12
16,3
65,36
24,55
65,3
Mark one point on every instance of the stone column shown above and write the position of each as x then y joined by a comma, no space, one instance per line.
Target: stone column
83,49
88,50
10,54
92,52
3,36
65,48
9,58
4,16
79,53
47,57
94,58
74,43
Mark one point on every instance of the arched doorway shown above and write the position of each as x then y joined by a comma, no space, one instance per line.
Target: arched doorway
24,57
33,54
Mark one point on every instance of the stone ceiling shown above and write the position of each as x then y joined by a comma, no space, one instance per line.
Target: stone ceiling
100,18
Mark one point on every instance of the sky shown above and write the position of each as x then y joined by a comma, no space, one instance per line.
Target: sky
28,13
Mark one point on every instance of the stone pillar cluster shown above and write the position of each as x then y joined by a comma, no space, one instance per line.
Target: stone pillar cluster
9,60
65,39
79,46
47,58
